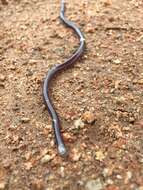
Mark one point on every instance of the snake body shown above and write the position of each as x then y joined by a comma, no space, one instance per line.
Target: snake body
52,72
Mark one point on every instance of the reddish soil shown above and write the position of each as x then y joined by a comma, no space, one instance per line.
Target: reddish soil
107,84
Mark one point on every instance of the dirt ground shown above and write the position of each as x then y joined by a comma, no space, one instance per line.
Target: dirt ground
99,100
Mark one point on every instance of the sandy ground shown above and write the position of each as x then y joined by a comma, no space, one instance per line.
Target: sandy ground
99,100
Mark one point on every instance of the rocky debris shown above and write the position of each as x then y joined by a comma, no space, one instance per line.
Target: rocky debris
47,158
140,81
48,127
141,160
27,155
99,155
78,124
7,163
109,181
128,177
13,126
140,38
25,119
62,171
94,185
90,28
120,100
75,155
118,176
12,67
68,137
2,78
105,172
80,182
117,61
28,165
117,84
2,185
88,117
132,119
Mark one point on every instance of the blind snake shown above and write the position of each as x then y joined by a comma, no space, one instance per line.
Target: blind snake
52,72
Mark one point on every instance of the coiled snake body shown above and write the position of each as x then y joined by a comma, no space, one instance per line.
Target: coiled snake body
54,116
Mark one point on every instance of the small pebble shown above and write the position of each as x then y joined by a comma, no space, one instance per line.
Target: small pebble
90,28
141,160
99,155
7,163
75,155
109,181
48,127
94,185
25,119
28,165
81,183
2,185
2,78
47,158
120,100
119,177
140,81
131,119
88,117
129,175
117,61
105,172
78,124
62,171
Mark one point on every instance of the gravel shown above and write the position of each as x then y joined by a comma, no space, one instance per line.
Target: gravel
94,185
